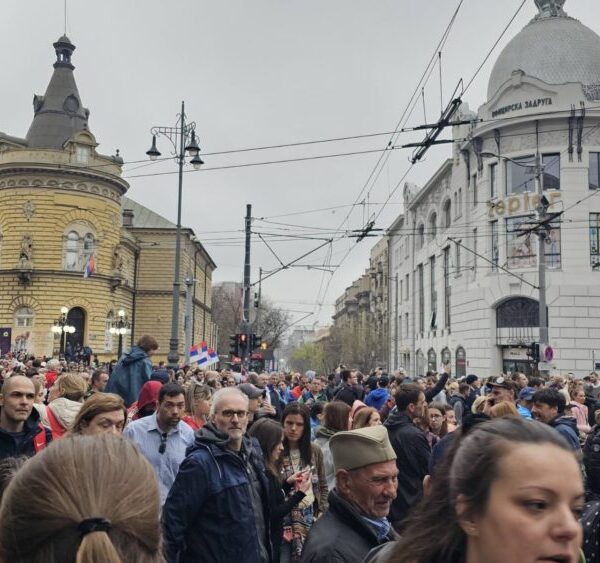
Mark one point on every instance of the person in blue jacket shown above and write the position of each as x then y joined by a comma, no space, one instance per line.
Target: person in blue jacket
549,408
133,370
218,507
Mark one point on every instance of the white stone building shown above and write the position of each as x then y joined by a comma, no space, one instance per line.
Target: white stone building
463,285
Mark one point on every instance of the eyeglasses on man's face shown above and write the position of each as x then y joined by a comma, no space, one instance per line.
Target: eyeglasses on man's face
231,413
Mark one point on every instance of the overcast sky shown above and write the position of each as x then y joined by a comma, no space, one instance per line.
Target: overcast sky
257,73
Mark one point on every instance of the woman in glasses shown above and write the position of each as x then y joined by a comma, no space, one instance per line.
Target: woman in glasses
301,455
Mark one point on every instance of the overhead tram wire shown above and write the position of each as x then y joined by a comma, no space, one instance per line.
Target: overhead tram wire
431,62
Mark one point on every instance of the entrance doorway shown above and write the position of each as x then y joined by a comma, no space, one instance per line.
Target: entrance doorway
518,366
76,318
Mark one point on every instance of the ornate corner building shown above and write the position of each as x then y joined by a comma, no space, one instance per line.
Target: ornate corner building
63,211
464,265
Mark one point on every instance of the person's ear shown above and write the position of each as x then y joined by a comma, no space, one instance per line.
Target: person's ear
343,481
465,521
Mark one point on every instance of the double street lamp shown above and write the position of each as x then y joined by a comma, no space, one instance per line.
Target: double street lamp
120,328
183,139
61,327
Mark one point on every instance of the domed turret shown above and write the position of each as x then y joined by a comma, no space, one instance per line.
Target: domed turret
554,48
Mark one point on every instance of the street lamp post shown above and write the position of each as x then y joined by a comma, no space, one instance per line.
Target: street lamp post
183,139
120,328
61,328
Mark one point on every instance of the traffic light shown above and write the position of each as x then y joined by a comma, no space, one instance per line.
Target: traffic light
263,345
234,347
533,352
243,343
255,341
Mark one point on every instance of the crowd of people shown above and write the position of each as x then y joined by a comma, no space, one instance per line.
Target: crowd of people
132,461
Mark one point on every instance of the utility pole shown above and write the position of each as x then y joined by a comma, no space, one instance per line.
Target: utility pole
541,232
246,326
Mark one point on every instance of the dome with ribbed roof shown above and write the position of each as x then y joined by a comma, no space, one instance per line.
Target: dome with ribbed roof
554,48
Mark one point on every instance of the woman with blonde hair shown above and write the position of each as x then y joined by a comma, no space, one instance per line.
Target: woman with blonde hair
80,517
102,413
65,400
197,404
504,408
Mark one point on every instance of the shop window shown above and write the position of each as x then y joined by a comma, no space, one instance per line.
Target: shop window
431,360
461,362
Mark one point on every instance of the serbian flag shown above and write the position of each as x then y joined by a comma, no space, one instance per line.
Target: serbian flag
213,357
194,353
90,266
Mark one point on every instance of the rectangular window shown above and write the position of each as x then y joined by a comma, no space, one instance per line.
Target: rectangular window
552,247
475,252
474,184
447,287
406,325
595,241
520,248
594,173
495,247
421,299
406,288
457,261
399,321
520,173
459,206
432,293
399,292
493,180
456,212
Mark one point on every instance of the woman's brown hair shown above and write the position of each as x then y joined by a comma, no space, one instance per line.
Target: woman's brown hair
75,479
98,403
336,415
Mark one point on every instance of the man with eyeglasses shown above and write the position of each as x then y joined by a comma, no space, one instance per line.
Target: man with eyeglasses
366,480
217,509
21,433
163,437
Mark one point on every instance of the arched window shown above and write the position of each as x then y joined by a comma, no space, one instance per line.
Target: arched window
431,360
79,245
421,235
461,362
89,246
72,251
24,317
432,226
446,356
420,357
447,213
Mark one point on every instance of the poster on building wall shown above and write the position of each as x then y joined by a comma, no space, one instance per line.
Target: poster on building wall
520,249
5,338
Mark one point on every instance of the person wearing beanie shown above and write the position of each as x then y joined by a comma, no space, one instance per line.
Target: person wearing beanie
366,482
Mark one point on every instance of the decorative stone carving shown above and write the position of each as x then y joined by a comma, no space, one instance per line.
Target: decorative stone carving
118,260
28,209
26,250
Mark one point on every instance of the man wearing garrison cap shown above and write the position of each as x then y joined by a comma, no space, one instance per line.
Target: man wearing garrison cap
366,481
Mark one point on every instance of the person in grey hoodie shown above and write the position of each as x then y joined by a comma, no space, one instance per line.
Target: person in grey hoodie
133,370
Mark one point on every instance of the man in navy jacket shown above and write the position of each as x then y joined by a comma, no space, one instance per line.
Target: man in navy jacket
217,509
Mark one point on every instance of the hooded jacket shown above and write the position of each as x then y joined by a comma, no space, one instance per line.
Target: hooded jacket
13,446
131,372
567,426
377,398
209,513
412,459
62,411
341,535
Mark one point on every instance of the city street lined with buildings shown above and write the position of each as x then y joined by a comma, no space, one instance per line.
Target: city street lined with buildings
362,328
